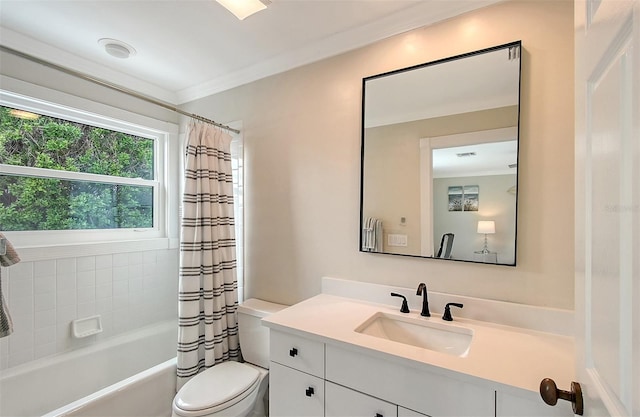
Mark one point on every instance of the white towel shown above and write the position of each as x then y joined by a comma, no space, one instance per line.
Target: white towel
8,257
378,236
372,235
366,239
6,325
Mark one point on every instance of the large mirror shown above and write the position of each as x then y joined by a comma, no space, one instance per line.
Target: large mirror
440,158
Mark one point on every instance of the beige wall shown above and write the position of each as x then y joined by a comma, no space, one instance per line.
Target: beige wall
392,185
302,142
392,170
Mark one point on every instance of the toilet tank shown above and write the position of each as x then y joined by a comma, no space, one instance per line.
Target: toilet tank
254,337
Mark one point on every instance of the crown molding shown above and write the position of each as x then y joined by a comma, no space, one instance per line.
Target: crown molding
423,14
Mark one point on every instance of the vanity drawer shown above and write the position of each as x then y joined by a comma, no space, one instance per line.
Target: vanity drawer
345,402
297,352
294,394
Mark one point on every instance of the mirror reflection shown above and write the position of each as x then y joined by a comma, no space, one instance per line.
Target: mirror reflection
440,158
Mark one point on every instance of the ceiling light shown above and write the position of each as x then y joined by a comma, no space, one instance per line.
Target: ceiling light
117,48
244,8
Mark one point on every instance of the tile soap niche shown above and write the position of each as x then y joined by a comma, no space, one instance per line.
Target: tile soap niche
87,326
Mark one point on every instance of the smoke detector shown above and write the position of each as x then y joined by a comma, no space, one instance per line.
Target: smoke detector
117,48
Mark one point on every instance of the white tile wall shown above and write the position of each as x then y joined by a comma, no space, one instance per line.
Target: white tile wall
129,290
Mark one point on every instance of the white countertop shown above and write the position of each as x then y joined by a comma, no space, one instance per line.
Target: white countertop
506,355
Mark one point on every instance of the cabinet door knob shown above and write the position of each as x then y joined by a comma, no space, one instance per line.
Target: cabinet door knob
550,394
293,352
309,392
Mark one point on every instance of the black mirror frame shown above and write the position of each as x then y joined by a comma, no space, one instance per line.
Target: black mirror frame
517,44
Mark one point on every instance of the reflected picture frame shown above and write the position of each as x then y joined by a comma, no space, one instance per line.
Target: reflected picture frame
463,198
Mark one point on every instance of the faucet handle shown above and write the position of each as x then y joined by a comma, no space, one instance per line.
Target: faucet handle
405,306
447,311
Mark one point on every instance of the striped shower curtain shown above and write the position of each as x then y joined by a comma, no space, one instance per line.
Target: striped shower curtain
208,289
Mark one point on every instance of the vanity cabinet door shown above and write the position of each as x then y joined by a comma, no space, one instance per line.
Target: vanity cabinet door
293,393
344,402
529,404
405,412
297,352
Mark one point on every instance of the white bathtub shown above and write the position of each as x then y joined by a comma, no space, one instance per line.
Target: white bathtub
128,375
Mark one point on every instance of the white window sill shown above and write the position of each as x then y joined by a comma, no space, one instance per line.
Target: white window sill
40,253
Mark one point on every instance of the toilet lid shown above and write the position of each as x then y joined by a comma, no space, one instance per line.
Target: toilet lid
219,384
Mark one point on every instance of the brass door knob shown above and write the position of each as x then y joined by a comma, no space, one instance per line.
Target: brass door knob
550,394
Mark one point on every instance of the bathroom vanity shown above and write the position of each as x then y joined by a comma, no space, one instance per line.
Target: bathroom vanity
338,356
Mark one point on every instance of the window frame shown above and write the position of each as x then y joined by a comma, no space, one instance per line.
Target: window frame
237,156
161,202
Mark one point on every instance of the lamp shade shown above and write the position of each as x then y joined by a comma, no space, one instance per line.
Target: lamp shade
486,226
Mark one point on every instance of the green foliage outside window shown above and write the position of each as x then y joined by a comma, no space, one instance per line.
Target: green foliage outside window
36,203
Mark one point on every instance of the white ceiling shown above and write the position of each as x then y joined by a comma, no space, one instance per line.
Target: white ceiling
188,49
484,159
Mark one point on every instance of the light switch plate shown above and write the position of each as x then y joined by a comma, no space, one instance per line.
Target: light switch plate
396,239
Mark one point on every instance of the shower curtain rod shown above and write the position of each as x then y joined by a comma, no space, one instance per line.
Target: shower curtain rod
115,87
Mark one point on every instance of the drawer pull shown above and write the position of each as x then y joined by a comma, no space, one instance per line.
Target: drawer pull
293,352
309,392
379,415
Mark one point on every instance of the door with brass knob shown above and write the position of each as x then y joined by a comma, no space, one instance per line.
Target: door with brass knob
607,205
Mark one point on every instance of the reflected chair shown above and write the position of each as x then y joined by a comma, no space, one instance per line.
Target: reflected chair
446,243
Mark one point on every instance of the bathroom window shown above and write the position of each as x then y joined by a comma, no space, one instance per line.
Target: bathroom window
237,166
80,175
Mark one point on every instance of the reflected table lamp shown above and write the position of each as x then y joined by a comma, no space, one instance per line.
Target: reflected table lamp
486,227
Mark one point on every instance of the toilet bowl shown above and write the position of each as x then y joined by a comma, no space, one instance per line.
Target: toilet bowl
233,389
227,389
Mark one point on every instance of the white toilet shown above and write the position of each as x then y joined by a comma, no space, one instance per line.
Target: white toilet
233,389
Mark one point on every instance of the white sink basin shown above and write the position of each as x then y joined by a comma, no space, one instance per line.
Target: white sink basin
439,337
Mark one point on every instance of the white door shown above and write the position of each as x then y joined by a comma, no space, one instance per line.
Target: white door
608,205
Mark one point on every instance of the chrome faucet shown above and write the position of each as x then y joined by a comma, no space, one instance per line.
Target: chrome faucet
422,289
